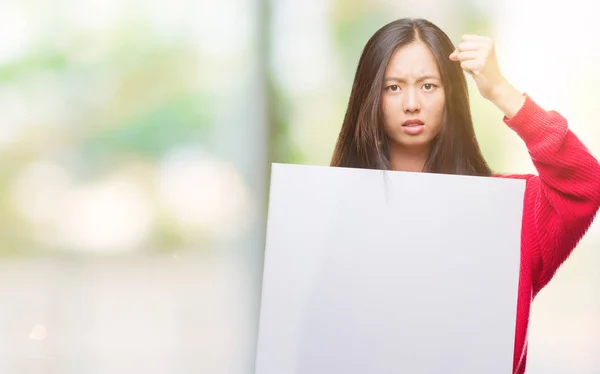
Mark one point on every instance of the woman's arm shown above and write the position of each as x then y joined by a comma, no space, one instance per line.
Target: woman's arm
565,196
507,98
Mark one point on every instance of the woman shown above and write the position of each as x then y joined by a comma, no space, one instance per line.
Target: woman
409,110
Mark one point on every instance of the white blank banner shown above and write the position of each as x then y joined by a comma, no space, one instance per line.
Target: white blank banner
370,271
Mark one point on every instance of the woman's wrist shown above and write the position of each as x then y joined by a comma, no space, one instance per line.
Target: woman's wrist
508,99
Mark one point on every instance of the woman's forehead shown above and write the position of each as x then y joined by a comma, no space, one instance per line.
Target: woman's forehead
414,60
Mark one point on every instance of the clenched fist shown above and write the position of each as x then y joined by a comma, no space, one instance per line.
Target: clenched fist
477,57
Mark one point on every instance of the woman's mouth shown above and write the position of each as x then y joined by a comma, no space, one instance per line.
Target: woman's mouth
413,126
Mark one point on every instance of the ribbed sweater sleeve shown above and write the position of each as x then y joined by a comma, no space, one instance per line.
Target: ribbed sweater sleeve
564,196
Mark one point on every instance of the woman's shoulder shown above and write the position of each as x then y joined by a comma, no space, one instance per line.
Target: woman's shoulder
515,176
532,183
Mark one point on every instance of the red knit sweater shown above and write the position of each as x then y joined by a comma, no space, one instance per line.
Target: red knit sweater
560,204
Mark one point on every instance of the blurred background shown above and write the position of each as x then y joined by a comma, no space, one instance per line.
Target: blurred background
135,146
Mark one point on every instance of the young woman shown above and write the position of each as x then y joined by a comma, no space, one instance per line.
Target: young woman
409,110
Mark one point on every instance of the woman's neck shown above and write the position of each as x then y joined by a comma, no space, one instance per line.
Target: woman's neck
408,159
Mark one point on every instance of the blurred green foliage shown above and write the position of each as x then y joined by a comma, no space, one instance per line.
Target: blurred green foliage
133,97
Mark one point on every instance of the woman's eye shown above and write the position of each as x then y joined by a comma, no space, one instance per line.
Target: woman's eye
428,86
394,88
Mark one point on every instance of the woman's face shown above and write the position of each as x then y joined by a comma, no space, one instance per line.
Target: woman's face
413,97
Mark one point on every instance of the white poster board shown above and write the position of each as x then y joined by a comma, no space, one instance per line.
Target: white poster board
370,271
